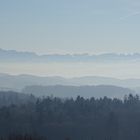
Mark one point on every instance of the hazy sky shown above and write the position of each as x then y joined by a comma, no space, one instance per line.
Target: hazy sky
72,26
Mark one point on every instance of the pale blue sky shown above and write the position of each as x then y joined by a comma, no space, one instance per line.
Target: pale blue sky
70,26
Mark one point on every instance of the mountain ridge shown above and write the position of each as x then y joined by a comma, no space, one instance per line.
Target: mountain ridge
25,56
20,81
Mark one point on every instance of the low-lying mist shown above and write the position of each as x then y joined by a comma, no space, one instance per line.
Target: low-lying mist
116,70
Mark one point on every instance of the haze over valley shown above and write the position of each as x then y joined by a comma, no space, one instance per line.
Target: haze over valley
29,71
122,66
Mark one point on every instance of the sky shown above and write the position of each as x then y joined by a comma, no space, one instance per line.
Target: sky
70,26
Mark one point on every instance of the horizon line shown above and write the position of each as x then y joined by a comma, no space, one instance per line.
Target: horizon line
69,53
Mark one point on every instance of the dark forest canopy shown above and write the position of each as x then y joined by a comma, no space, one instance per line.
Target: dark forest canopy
80,118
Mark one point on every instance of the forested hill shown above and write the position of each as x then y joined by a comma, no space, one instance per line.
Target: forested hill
8,98
74,91
83,119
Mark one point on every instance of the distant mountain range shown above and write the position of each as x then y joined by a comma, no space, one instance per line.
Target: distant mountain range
15,56
18,82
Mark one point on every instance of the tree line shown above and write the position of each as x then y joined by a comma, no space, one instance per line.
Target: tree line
83,119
